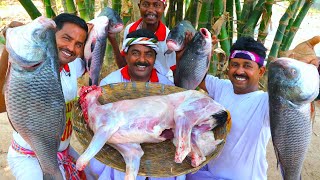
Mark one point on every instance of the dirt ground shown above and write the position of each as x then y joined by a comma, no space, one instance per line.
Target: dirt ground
12,10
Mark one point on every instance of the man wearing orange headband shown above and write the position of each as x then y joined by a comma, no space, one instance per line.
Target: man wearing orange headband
151,12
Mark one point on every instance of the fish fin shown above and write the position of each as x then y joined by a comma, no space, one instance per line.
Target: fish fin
11,123
278,161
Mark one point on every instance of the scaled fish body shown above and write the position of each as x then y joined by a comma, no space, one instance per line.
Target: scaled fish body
292,86
108,21
195,61
34,97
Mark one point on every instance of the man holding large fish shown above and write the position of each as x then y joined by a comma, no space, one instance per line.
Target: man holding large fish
140,48
70,38
244,154
151,12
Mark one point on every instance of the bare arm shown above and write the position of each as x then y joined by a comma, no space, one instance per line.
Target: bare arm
4,67
3,71
120,60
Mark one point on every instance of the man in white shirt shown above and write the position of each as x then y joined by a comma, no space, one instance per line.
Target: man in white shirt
151,12
140,49
244,154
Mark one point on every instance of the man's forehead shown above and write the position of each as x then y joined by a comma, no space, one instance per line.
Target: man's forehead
242,61
140,47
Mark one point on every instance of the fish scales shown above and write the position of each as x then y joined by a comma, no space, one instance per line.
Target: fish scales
194,62
34,97
292,86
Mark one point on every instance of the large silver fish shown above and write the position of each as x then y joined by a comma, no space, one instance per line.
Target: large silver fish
108,21
176,36
195,61
33,94
292,86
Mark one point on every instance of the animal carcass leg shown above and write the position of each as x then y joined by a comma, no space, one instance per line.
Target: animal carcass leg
182,137
131,154
100,138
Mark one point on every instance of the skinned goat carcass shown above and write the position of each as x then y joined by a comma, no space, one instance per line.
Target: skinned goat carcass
188,116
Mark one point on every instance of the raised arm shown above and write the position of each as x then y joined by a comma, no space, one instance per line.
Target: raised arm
3,71
120,60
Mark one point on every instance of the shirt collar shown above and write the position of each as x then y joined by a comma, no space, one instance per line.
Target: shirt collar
160,33
125,74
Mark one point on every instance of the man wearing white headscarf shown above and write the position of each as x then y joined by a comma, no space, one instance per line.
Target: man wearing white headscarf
151,12
139,49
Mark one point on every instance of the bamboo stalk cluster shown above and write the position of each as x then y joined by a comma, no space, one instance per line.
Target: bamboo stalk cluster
242,18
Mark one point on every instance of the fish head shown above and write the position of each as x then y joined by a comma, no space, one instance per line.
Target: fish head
100,27
202,39
115,21
175,39
293,80
28,44
176,36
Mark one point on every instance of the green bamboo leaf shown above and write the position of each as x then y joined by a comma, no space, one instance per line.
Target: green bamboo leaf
30,8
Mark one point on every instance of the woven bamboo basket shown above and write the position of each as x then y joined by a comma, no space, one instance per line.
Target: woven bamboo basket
158,158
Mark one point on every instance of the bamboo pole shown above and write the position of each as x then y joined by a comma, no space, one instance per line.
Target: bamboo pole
30,8
245,13
71,8
49,11
265,21
280,31
238,8
204,17
193,12
170,18
229,25
83,10
126,11
296,24
179,12
291,20
251,23
54,6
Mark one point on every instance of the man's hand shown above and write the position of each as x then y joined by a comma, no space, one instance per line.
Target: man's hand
188,38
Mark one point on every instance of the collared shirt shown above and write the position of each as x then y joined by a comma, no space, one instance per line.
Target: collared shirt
122,75
164,62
